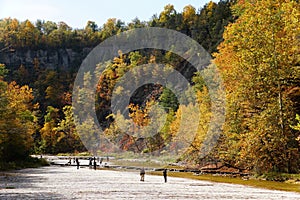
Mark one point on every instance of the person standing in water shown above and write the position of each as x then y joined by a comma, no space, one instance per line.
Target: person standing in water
165,175
95,164
77,163
142,173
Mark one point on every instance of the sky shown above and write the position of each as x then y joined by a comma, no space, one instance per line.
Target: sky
76,13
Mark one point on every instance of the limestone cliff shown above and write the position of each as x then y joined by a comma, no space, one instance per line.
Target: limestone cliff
63,59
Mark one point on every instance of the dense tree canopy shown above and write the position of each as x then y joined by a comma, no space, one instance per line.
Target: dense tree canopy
259,60
17,120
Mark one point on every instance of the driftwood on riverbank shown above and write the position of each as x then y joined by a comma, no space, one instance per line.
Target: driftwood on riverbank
223,168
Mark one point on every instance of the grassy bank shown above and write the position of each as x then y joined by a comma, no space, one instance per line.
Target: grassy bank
29,162
284,186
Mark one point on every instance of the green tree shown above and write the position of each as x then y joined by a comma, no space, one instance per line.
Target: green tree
91,26
48,27
167,17
297,127
110,28
169,100
54,88
69,139
210,24
49,134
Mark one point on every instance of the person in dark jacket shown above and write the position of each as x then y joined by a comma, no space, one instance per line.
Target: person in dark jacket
90,162
142,173
77,163
165,175
95,164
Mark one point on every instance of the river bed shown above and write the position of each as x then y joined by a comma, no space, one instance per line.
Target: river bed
68,182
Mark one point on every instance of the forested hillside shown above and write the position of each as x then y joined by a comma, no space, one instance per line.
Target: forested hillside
255,45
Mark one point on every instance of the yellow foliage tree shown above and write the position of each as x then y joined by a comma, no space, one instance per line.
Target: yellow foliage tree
259,60
17,120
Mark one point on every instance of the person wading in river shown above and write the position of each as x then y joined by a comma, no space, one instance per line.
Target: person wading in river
165,175
142,173
77,163
95,164
90,162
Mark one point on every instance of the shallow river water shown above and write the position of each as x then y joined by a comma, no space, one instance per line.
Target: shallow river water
57,182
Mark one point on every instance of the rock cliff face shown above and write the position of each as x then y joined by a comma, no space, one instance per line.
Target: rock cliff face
63,59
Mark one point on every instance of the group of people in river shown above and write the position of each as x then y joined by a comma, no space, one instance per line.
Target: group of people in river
92,162
142,174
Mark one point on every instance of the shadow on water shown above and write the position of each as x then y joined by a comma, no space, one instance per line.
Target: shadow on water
41,170
25,178
30,196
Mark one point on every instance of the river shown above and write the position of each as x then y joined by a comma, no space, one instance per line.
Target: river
56,182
